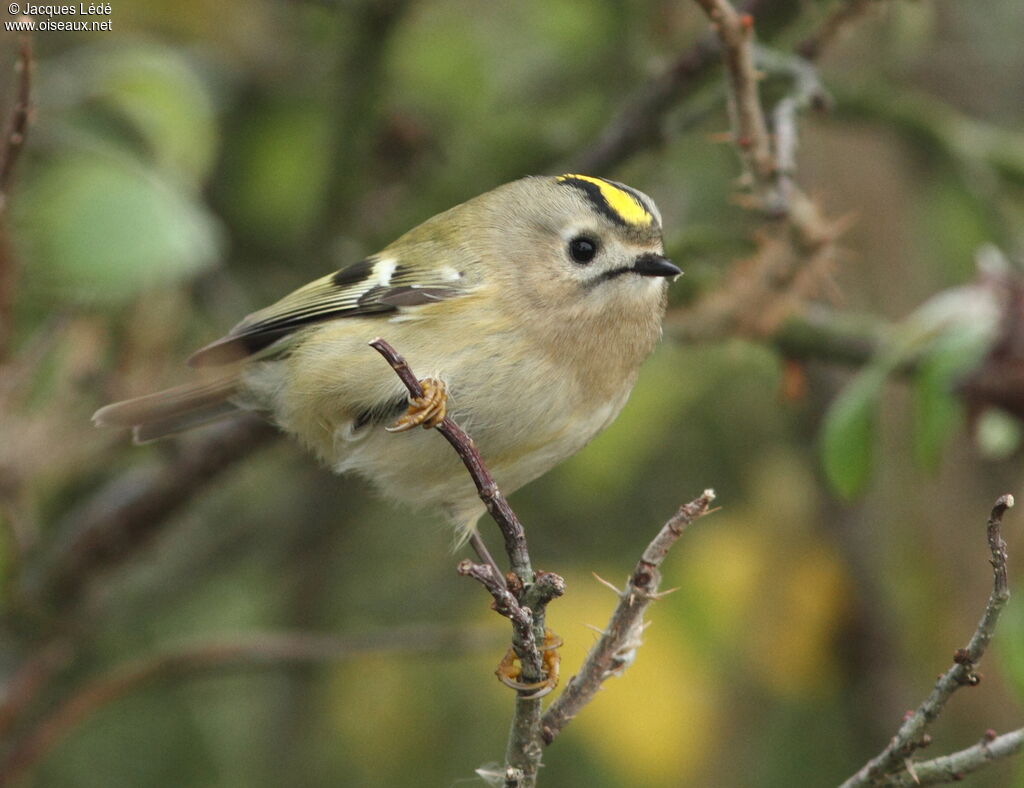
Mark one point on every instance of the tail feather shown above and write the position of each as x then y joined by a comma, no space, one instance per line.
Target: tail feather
174,410
152,430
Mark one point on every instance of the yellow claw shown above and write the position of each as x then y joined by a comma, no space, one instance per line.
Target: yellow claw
509,669
428,410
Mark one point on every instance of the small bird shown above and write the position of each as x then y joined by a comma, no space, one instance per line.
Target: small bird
530,308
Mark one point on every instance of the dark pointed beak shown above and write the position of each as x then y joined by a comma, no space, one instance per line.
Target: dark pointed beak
655,265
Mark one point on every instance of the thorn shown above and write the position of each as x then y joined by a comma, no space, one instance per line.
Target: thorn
909,766
605,583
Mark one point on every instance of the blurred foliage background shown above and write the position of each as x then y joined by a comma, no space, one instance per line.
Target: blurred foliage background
205,158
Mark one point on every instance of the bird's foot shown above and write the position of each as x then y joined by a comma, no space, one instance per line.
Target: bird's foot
428,410
510,669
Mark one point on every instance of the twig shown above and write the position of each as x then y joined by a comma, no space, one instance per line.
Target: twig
524,752
22,688
828,31
497,506
639,124
506,604
797,249
953,768
614,650
808,93
259,651
480,548
750,131
824,334
12,144
17,126
912,732
769,164
522,599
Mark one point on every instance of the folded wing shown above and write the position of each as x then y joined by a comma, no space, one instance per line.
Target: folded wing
377,285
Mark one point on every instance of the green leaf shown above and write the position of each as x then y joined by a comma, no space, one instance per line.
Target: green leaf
100,228
157,93
937,412
848,434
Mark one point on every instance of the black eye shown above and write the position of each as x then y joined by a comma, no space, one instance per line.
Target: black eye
582,250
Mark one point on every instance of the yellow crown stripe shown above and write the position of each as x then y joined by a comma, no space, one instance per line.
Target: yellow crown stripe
625,205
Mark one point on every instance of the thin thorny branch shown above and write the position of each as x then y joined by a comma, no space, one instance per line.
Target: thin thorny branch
750,131
524,605
796,249
17,125
953,768
912,735
615,649
519,597
808,93
11,146
506,604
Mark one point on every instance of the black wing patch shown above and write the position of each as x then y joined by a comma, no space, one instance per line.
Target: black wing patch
373,286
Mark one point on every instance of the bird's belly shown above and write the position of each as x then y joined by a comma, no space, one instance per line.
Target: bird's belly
520,436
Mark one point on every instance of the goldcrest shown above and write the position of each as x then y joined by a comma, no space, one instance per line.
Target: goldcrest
533,305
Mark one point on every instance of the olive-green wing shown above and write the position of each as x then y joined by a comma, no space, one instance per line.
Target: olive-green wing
375,286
